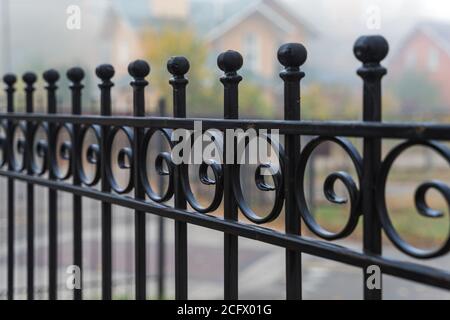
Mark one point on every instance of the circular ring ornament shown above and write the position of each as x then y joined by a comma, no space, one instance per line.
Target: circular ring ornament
419,199
63,151
40,149
19,145
161,159
329,188
217,171
92,155
275,172
124,159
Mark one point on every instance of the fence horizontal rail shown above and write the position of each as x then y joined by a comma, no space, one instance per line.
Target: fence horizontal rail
410,271
388,130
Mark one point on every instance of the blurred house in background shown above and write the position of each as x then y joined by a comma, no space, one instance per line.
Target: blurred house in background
122,35
128,19
256,30
422,64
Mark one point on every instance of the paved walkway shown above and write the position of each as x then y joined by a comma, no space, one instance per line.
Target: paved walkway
261,274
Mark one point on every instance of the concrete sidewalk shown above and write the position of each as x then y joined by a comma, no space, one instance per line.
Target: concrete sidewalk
261,267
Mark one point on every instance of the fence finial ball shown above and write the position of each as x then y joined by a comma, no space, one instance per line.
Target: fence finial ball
29,78
178,66
75,74
139,69
230,61
292,55
9,79
51,76
371,49
105,72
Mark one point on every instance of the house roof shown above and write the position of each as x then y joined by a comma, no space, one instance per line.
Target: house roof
135,13
210,18
437,31
255,7
262,7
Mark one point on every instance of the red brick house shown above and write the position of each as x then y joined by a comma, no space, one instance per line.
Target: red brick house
427,50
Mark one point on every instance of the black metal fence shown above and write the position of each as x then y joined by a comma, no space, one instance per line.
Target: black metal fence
41,159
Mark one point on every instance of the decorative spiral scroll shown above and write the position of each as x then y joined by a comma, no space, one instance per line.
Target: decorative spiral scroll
163,157
92,155
276,173
3,141
205,179
328,187
62,151
419,199
124,159
19,145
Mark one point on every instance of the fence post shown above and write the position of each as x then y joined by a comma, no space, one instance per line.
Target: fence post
139,69
178,67
51,77
10,80
105,72
161,220
230,62
370,50
29,78
292,56
76,75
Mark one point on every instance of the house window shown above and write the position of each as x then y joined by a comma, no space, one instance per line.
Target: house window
433,59
252,52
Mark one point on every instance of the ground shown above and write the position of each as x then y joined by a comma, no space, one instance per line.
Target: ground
261,274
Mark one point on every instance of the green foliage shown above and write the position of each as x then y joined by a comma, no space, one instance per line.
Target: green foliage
417,93
170,42
204,93
341,102
330,102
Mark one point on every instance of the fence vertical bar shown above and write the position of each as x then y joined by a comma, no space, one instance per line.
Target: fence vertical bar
76,75
139,69
370,50
292,56
178,67
230,62
51,77
161,221
29,78
10,80
105,72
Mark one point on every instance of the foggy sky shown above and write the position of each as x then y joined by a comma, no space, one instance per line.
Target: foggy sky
40,38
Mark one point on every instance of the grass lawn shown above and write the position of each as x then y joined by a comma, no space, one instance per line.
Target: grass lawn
411,226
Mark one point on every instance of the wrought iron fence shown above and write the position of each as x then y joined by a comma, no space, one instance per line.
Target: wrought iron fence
41,158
